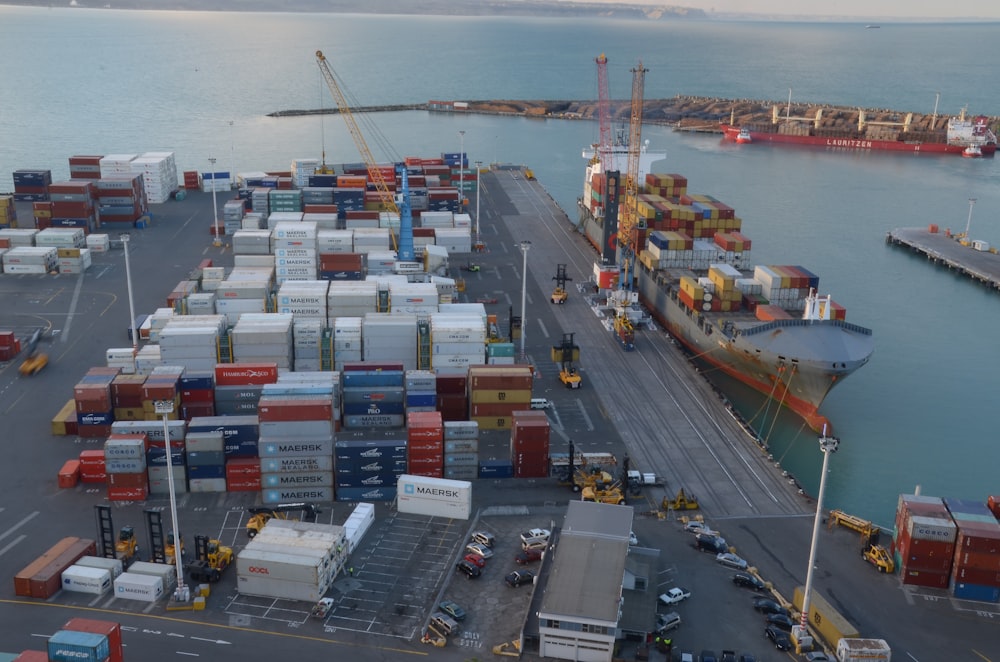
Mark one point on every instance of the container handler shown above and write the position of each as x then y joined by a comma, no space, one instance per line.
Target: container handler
127,547
35,360
559,295
173,546
211,559
566,354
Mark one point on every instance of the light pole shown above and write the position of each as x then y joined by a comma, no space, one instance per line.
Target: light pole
478,187
232,157
165,408
968,223
216,241
461,169
828,445
496,139
525,245
124,236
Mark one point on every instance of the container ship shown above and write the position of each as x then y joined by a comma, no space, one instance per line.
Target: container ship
961,135
766,326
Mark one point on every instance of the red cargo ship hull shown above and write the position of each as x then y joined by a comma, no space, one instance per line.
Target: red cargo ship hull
730,132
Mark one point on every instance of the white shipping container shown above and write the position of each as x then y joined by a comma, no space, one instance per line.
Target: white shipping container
297,494
206,485
262,586
166,572
279,566
144,588
114,566
85,579
274,465
357,525
435,497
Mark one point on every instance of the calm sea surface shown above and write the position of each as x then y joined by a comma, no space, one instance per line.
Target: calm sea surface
105,81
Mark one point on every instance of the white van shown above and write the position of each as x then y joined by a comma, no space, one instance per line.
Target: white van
540,403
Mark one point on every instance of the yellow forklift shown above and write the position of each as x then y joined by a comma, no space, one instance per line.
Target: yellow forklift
211,559
559,295
566,354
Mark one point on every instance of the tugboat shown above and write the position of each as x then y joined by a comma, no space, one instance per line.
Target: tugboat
743,137
972,151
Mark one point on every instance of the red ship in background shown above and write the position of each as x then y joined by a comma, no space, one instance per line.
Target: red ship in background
853,130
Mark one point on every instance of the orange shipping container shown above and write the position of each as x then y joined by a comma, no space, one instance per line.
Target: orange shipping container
769,313
69,475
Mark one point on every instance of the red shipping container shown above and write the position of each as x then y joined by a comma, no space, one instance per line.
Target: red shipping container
428,472
127,493
975,576
424,447
924,578
450,384
314,409
977,540
371,366
239,374
198,396
319,209
128,481
43,578
531,469
32,656
93,477
93,431
243,467
72,209
113,631
423,461
993,503
196,409
69,475
977,561
243,485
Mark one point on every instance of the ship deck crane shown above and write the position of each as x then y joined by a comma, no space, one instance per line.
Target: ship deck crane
375,174
630,224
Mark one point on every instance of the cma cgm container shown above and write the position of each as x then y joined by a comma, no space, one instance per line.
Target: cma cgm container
436,497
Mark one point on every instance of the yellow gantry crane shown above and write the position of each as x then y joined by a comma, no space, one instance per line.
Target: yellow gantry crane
375,174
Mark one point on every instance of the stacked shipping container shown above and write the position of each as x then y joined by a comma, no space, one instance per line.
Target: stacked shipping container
496,392
923,541
975,572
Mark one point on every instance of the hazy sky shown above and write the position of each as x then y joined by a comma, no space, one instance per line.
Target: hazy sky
903,9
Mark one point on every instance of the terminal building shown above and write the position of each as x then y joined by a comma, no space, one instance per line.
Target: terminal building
596,590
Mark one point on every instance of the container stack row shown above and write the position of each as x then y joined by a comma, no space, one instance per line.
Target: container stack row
8,212
291,560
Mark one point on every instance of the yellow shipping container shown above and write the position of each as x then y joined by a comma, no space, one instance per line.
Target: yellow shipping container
823,618
130,414
691,287
488,396
68,252
647,260
492,422
42,213
59,420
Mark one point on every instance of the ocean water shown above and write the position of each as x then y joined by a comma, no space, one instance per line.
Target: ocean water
201,84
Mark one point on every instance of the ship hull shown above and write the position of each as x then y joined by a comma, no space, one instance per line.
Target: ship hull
730,133
764,357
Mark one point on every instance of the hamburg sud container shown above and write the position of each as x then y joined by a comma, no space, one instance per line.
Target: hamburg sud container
71,646
143,588
495,392
436,497
529,444
113,632
369,462
976,568
425,444
924,541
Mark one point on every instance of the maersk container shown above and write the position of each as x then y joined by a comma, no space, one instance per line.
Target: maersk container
434,496
307,566
281,495
113,566
297,479
72,646
295,448
83,579
144,588
274,465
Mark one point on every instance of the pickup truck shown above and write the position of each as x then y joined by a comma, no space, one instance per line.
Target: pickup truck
674,595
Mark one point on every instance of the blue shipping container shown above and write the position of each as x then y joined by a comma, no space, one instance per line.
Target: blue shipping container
373,379
374,409
977,592
69,646
207,471
96,418
157,457
421,399
496,469
366,494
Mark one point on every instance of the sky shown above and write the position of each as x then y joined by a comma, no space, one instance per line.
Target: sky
887,9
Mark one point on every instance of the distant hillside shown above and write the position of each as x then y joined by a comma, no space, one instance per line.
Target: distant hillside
547,8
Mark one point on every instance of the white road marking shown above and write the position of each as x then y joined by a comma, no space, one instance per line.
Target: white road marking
72,307
19,525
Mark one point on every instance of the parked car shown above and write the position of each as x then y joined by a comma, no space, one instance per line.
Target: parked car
731,560
687,656
667,622
696,526
476,560
674,595
469,570
778,637
728,656
528,556
519,578
708,656
746,580
535,534
780,621
452,609
632,540
818,656
769,606
539,545
480,549
484,538
747,657
709,543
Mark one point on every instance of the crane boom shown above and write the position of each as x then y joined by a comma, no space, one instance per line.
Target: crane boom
603,114
375,174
